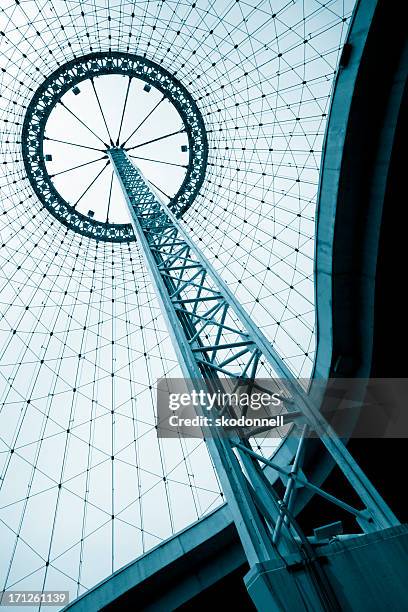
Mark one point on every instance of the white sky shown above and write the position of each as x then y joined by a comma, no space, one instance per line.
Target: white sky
64,126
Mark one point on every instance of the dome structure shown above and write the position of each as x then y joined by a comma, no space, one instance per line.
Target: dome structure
86,485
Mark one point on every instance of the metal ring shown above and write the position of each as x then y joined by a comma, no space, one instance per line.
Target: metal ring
88,67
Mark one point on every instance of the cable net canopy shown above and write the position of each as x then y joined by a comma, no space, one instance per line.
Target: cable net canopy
85,484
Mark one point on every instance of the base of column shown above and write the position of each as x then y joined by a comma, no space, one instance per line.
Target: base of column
366,572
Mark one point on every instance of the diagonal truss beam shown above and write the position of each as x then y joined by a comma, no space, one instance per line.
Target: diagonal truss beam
213,335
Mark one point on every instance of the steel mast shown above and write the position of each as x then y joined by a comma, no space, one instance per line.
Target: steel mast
213,336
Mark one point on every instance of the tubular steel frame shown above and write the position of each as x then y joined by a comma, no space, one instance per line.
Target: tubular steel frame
87,68
213,335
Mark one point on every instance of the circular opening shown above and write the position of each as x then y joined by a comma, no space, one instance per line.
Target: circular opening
113,110
106,100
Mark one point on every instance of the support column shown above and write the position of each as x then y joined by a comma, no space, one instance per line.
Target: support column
213,335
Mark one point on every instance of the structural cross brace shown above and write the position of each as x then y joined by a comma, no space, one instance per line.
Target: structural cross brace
214,337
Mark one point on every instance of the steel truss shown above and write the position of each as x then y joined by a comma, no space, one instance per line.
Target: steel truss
66,78
214,336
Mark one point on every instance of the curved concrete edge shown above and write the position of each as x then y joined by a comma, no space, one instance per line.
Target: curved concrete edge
355,165
330,181
356,155
176,570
